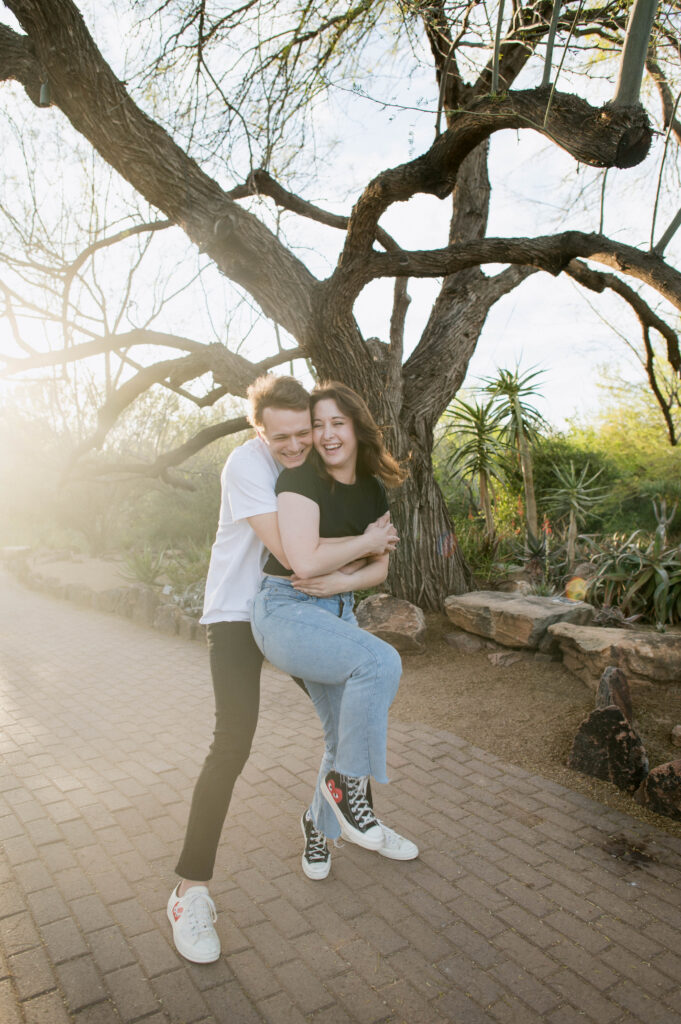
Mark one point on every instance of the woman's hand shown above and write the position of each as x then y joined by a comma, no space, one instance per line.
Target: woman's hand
383,535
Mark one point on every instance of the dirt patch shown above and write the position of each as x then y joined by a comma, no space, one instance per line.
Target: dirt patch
97,573
527,713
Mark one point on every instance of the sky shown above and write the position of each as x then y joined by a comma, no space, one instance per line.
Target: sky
546,323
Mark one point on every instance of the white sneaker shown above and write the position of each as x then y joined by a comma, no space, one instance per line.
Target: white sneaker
193,917
316,857
395,846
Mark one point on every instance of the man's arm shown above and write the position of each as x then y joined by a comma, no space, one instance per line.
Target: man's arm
373,572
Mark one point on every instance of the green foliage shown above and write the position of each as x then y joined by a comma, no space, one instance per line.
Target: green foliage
641,576
510,391
188,566
144,566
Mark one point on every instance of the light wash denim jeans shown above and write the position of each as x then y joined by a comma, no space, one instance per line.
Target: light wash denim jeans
351,676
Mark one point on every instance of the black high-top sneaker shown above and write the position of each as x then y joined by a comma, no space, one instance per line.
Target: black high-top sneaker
348,799
316,857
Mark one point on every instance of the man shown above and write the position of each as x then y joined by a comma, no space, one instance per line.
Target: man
247,530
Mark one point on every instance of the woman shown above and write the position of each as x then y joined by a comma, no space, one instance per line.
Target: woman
305,627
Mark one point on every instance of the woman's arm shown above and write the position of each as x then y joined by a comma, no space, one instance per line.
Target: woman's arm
373,572
308,555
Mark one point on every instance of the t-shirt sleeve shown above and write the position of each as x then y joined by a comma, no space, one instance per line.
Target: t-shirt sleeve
249,488
299,481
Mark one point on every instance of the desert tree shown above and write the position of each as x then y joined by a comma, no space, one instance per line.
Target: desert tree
214,124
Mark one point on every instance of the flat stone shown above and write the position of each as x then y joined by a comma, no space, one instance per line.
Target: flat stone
464,642
513,620
166,619
398,622
661,790
676,736
144,603
645,657
608,747
502,659
614,689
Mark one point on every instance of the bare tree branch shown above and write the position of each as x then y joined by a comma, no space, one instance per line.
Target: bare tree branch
174,457
599,137
551,253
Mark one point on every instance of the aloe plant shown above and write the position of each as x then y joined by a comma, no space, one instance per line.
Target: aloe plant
574,497
640,576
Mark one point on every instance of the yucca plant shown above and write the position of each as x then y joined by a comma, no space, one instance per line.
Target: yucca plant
641,577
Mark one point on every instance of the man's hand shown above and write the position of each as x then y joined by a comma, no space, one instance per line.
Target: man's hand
383,534
322,586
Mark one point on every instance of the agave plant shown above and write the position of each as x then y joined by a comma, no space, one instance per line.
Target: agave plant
144,566
641,577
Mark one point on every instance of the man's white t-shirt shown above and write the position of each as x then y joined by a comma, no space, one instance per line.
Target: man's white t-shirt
238,556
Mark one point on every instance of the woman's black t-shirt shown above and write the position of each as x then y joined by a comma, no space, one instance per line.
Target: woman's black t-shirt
345,510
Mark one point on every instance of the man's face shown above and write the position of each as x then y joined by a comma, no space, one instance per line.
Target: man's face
288,433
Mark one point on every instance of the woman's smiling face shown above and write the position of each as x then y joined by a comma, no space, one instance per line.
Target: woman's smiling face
333,435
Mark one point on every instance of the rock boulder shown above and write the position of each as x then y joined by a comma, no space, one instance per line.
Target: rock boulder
607,747
614,689
646,658
512,619
398,622
661,790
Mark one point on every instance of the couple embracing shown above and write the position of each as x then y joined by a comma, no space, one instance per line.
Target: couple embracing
304,522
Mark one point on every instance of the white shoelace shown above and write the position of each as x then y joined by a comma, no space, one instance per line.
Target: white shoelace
200,913
357,798
316,848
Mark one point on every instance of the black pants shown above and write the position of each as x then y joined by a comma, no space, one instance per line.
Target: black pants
235,664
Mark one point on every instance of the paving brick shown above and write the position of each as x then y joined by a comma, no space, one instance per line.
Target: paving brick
522,984
18,933
511,1010
46,1009
583,934
362,1004
80,983
306,990
32,973
478,984
525,953
63,940
9,1007
110,949
455,1005
253,975
583,996
229,1005
280,1009
131,993
181,1001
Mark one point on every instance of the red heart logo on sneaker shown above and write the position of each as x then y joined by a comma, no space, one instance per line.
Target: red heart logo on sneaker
335,792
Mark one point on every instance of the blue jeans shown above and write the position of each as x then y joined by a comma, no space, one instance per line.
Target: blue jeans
351,676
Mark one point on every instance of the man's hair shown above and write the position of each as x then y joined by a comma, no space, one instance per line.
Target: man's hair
276,393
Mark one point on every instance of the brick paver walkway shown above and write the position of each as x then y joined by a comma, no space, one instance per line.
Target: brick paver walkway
513,913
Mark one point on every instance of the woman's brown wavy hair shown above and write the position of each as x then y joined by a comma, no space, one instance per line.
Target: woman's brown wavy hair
373,458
